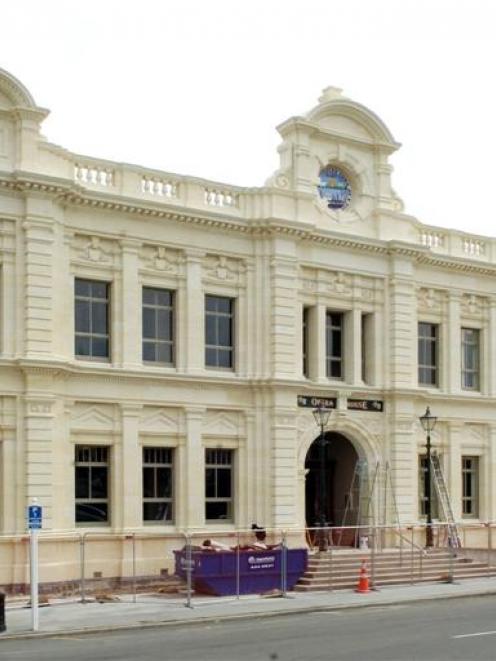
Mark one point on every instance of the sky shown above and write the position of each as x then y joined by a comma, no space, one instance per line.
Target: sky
197,87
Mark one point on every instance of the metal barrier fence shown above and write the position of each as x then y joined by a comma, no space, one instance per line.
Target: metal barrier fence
245,561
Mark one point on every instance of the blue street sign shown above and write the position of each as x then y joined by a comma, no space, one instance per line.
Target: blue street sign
35,513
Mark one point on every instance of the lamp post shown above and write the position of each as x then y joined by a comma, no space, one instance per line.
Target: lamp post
321,415
428,423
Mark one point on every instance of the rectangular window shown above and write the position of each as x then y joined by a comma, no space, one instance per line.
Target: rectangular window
158,325
157,485
219,332
218,485
428,354
423,494
92,484
470,359
470,487
304,347
92,335
334,345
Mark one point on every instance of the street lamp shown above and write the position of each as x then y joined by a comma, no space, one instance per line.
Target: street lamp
321,415
428,423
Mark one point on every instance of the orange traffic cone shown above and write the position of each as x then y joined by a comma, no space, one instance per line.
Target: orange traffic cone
363,581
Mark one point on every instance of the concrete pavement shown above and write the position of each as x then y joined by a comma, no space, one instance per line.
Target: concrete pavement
66,617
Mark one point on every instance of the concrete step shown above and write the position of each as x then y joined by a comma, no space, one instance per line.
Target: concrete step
399,580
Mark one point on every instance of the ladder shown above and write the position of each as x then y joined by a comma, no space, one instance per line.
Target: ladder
444,500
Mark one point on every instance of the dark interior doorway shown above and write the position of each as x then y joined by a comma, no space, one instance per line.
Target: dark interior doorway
340,458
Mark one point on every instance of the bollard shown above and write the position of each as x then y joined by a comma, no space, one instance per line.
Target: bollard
3,626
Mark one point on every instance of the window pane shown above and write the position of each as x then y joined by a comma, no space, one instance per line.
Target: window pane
164,483
99,289
149,351
157,511
217,510
99,347
148,295
149,323
225,332
82,346
211,329
82,482
211,303
82,287
224,358
98,481
82,320
211,357
210,482
91,512
224,305
223,482
163,325
164,353
99,318
148,482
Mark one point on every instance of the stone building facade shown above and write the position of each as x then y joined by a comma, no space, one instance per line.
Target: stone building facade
164,337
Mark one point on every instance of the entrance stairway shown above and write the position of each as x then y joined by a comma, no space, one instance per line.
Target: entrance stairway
340,569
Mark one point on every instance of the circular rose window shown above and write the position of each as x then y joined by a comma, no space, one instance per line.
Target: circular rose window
334,188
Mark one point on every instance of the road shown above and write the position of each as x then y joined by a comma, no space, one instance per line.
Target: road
447,629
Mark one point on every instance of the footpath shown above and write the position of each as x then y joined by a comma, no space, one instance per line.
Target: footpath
66,617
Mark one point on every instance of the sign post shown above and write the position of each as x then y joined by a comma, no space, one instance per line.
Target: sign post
34,516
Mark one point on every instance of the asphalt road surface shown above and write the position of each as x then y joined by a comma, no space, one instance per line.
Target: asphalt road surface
446,629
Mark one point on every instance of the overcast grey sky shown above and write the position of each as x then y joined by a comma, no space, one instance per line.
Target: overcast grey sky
198,86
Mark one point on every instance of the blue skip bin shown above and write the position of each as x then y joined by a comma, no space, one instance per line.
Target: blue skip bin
214,572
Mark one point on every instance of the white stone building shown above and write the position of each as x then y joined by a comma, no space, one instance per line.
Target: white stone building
160,333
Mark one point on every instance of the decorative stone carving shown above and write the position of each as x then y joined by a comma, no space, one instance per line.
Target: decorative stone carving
223,423
219,267
430,299
339,283
93,249
472,305
93,416
160,420
161,258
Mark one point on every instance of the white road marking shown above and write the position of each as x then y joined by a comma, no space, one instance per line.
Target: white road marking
472,635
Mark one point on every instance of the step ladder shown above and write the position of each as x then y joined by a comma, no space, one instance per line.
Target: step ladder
444,500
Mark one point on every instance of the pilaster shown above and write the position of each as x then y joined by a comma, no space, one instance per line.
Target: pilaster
453,466
38,282
454,364
130,480
193,492
194,318
129,326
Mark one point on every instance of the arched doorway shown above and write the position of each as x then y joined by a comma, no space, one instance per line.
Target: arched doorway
340,458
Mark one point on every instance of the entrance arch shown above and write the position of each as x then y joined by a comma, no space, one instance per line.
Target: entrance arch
340,459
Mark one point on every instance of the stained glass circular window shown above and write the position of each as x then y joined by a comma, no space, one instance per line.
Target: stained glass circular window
334,188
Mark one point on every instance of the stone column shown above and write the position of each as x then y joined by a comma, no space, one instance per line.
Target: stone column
353,347
317,343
